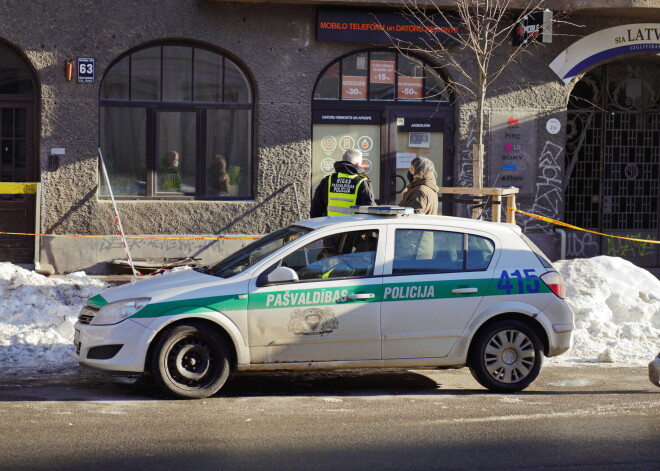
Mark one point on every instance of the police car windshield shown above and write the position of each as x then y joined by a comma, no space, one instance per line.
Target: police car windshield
254,252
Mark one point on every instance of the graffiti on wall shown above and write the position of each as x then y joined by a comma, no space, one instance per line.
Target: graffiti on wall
582,245
164,245
629,248
465,165
549,197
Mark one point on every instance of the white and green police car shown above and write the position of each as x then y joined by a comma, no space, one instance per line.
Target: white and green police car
365,290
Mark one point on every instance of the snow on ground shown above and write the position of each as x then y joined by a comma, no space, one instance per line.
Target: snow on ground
616,304
37,314
617,311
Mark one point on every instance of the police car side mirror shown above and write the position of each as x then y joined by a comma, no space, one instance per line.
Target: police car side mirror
280,276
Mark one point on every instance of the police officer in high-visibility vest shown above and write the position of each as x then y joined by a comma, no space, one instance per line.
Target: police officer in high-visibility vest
347,186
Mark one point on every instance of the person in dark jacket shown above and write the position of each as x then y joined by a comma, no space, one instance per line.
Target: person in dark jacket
346,187
422,192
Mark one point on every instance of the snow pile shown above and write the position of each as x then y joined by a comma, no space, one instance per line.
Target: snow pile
37,314
616,305
617,311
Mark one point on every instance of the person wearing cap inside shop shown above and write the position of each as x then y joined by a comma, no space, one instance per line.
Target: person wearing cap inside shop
347,186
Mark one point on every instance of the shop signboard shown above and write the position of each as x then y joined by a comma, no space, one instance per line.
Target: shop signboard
537,26
383,27
511,152
420,125
606,44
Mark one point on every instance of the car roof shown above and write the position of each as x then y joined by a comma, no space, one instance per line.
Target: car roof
440,221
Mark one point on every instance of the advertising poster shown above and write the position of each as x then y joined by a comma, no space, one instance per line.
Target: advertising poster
330,141
512,145
382,71
353,87
410,88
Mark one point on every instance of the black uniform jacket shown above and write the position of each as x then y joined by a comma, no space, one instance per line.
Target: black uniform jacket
365,195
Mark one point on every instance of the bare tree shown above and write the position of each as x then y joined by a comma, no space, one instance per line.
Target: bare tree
482,31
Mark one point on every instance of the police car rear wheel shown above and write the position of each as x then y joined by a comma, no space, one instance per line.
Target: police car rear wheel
191,361
506,357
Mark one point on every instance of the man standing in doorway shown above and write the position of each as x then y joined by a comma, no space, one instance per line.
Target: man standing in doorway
347,186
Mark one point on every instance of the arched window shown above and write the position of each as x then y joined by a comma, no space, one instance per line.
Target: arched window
379,75
15,77
176,121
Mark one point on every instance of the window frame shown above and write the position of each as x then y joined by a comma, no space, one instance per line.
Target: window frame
201,108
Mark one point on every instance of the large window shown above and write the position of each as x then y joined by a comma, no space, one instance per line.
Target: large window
381,76
176,121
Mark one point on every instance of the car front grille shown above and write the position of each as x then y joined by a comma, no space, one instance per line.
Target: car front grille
87,314
104,352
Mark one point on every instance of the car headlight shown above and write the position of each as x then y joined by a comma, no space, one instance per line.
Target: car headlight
116,312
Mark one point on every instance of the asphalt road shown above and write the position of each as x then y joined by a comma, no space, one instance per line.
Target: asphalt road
587,417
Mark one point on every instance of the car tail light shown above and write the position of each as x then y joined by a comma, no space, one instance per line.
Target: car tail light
555,282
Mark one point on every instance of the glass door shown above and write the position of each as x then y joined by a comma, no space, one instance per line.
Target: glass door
415,133
334,132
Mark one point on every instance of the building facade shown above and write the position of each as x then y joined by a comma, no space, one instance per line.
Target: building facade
216,120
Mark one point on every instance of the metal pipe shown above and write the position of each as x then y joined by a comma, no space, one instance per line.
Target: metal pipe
562,245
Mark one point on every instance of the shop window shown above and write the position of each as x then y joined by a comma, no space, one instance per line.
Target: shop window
176,121
381,76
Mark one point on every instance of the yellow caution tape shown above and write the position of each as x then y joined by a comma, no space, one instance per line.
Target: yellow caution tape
559,223
13,188
535,216
131,237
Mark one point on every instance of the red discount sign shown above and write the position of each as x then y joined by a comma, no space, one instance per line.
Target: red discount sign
382,71
410,88
353,87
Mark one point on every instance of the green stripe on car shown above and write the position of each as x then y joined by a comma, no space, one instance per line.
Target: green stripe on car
387,292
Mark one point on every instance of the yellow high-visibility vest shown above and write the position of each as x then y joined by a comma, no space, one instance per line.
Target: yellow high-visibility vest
342,192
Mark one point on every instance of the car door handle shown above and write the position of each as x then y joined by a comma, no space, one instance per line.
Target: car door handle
361,296
464,290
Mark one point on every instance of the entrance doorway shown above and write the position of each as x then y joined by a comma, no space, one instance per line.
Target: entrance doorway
390,106
417,133
613,162
17,156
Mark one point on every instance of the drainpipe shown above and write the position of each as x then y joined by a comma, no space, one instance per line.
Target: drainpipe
562,245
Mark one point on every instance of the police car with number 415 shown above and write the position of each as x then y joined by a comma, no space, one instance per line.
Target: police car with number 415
379,288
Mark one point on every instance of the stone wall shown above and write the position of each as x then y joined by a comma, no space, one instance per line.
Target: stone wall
275,42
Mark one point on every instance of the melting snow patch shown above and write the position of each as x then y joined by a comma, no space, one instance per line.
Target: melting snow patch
573,383
617,311
332,399
37,314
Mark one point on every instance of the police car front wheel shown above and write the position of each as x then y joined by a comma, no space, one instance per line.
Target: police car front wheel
506,356
191,361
